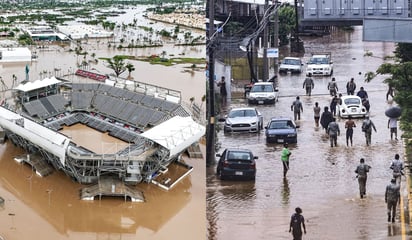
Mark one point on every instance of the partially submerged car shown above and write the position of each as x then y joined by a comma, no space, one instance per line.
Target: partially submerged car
262,93
243,119
320,64
291,64
236,164
281,130
351,106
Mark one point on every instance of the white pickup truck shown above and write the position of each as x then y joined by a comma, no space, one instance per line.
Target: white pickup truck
320,64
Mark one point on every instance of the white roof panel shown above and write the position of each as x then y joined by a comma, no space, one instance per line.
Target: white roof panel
29,86
176,134
15,55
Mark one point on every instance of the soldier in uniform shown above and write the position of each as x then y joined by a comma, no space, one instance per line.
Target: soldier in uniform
362,170
392,197
333,131
308,84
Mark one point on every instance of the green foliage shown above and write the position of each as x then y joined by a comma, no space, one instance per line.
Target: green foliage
287,23
400,78
25,39
404,52
164,33
130,67
117,64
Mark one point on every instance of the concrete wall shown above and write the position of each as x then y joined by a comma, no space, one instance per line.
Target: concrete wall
354,9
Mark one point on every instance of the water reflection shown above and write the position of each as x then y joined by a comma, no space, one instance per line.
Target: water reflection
394,230
285,192
52,198
238,191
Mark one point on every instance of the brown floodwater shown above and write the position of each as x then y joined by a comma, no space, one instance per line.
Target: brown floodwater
50,208
321,179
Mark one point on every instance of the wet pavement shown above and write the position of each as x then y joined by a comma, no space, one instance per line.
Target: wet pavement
321,179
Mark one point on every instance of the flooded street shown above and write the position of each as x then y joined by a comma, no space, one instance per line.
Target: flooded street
50,207
321,179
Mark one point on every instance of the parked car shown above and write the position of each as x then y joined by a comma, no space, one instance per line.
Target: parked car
236,164
291,64
262,93
351,106
281,130
243,119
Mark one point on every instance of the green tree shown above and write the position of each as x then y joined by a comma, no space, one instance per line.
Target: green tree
130,68
400,78
403,52
286,23
117,64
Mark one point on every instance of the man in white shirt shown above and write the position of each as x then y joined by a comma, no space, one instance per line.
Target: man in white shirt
393,126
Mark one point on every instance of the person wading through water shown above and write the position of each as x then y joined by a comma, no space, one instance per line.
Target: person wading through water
308,84
349,125
367,126
392,197
326,118
362,170
297,108
285,158
350,87
297,222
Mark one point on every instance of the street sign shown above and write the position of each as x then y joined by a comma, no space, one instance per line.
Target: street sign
271,53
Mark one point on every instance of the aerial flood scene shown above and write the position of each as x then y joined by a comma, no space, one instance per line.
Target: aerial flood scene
102,112
209,119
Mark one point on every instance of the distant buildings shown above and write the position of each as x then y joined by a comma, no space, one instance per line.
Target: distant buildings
41,33
19,54
64,32
81,31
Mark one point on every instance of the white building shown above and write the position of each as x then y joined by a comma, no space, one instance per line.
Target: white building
84,31
15,55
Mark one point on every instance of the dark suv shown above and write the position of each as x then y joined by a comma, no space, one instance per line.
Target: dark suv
236,164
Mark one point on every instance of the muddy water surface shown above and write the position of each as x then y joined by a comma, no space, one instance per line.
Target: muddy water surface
321,179
49,207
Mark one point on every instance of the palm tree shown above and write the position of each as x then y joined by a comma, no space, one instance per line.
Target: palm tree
78,51
130,68
117,64
203,100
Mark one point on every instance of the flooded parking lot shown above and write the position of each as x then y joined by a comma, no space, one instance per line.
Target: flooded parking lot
321,179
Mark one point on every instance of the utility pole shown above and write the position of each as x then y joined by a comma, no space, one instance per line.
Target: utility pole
210,131
297,45
265,76
276,42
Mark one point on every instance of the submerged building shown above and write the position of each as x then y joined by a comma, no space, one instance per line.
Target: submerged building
15,54
157,131
45,33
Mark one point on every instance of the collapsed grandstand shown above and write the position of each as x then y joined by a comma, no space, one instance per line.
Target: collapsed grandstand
153,123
